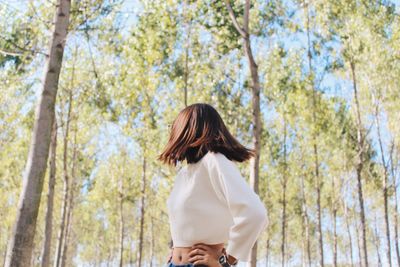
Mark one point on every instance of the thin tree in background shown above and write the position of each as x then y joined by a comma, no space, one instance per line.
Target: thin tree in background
142,213
385,181
188,24
346,216
377,243
284,182
393,171
50,200
360,162
121,215
70,204
305,223
66,181
256,120
314,136
21,244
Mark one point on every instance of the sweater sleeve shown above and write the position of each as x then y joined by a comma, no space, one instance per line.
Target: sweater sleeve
248,212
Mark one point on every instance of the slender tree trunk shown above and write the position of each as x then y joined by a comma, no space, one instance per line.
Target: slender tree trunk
21,244
121,221
267,249
67,231
50,200
152,242
396,226
284,184
377,243
348,232
384,188
70,181
359,244
305,219
268,242
130,258
319,211
315,146
334,215
396,211
360,164
61,231
256,119
66,178
70,206
342,201
303,245
187,45
142,212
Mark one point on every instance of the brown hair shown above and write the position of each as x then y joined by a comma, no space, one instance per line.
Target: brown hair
197,129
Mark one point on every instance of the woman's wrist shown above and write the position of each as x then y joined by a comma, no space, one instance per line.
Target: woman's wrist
231,260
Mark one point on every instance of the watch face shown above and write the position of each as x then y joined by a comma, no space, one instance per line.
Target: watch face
221,259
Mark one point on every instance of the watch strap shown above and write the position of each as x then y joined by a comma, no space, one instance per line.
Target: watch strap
227,258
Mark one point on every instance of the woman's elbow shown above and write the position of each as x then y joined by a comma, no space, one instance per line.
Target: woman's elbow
260,215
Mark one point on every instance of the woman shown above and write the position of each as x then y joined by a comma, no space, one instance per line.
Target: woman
210,203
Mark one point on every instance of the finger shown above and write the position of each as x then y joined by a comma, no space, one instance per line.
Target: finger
199,262
196,258
198,247
197,251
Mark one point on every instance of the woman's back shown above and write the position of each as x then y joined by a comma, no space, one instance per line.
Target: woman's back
212,203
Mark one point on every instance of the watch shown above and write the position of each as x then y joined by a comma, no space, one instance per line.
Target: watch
223,260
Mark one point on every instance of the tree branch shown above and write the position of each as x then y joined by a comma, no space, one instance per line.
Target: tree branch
7,53
246,17
241,31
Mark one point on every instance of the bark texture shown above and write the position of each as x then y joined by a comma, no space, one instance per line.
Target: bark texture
20,250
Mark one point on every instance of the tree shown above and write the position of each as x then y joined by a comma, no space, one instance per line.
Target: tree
20,249
256,118
50,199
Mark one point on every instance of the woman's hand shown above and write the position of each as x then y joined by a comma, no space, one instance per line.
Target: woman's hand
203,254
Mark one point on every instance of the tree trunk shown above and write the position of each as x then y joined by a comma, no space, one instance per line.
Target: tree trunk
70,206
334,215
121,221
358,244
268,242
152,242
284,184
360,165
187,45
20,250
66,178
305,220
142,213
256,119
267,248
67,230
377,243
384,187
50,200
396,211
315,146
348,233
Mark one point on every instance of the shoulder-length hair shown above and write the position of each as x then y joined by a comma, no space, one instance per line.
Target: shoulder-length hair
197,129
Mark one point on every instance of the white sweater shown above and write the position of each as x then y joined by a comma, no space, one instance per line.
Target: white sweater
212,203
